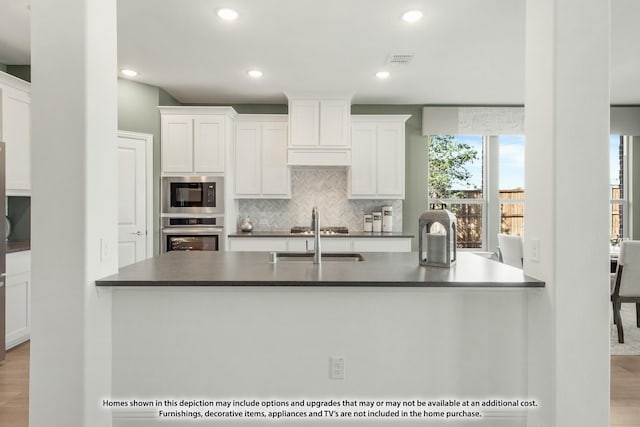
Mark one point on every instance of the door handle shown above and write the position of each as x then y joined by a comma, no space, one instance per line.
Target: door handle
138,233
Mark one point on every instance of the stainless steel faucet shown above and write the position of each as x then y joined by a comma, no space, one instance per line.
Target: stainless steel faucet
315,225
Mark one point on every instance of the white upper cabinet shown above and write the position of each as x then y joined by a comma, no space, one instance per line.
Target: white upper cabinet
15,131
276,174
248,166
378,162
177,143
260,168
319,130
363,174
193,139
334,123
208,143
304,123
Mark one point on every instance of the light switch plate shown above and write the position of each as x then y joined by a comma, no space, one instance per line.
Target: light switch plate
534,253
104,250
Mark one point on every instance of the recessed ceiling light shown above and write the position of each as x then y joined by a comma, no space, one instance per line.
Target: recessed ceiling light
129,73
256,74
383,74
228,14
412,16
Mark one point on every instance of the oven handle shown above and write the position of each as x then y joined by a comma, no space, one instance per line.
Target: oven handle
193,230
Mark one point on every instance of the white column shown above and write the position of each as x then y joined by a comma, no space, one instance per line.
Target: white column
74,208
567,130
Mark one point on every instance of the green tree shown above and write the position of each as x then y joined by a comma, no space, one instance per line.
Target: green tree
448,159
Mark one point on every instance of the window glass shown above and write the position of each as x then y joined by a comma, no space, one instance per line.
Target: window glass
455,167
616,187
511,184
511,163
456,174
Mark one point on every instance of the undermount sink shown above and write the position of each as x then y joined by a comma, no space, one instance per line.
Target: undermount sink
330,257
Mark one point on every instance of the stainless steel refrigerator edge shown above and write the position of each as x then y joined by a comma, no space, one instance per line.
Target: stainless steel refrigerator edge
3,252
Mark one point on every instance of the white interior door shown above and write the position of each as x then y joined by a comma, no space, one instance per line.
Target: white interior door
134,236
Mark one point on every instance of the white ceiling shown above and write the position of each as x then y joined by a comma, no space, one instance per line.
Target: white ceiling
465,51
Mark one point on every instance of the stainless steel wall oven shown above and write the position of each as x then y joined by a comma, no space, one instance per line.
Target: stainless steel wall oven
192,233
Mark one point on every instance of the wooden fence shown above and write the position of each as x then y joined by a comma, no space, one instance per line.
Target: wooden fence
617,230
469,216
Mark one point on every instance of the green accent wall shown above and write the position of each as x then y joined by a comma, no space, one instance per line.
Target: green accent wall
250,108
138,112
20,71
416,155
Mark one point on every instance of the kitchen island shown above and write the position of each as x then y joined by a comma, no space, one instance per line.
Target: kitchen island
234,326
202,268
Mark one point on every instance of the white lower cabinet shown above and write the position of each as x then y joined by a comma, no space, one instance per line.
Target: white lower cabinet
258,244
301,245
332,244
18,298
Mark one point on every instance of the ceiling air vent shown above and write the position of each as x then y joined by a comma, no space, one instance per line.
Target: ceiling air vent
403,59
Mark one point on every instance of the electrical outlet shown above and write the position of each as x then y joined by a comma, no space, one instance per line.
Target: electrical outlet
336,368
264,221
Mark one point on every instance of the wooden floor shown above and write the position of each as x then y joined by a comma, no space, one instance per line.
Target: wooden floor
625,391
14,389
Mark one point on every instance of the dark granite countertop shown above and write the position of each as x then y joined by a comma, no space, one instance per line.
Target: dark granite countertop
202,268
286,233
18,246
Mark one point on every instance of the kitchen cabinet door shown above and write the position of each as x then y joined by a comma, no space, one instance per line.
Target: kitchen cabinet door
248,165
301,244
257,244
15,126
378,164
208,144
18,298
390,160
304,122
334,123
177,144
261,169
276,176
363,174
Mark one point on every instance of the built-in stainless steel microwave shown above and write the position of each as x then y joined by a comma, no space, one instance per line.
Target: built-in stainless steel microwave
192,195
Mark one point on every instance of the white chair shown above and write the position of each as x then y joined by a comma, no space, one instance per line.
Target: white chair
510,249
626,285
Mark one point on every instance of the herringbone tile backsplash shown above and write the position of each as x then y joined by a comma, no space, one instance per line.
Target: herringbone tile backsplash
322,187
